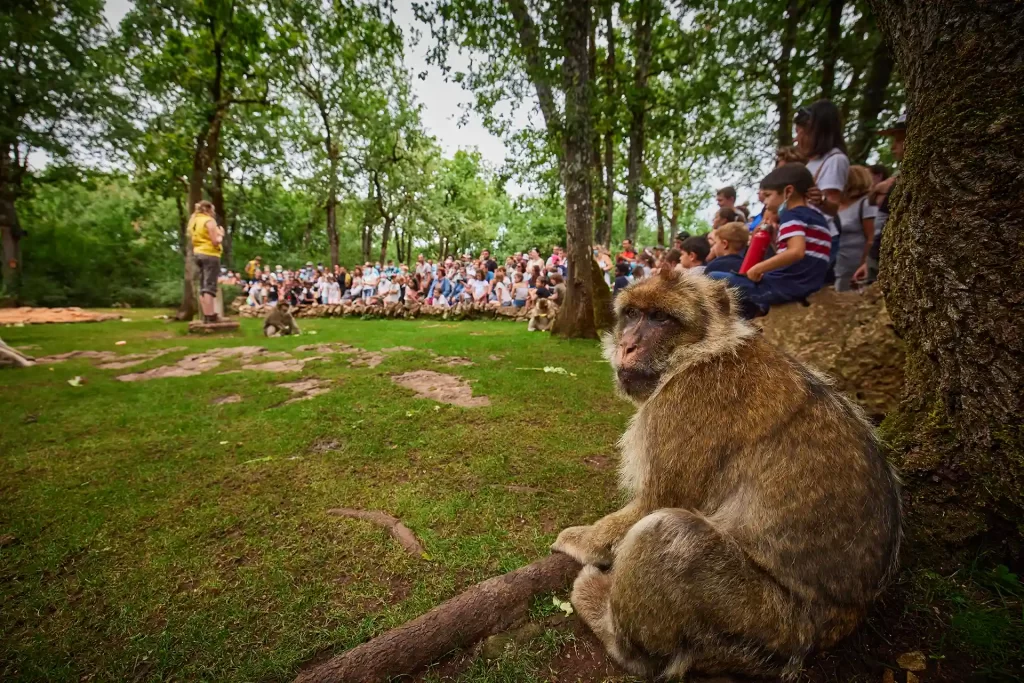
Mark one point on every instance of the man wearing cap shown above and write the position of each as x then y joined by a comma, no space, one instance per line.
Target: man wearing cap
880,193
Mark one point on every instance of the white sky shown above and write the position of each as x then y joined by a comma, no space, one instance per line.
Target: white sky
441,100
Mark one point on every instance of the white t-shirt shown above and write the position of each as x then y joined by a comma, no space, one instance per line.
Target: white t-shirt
479,289
830,172
501,289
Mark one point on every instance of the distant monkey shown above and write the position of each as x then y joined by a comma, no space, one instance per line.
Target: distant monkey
541,317
279,322
748,543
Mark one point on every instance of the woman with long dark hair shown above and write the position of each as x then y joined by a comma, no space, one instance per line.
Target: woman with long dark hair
819,137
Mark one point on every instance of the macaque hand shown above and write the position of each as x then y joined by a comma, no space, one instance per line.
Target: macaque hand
578,542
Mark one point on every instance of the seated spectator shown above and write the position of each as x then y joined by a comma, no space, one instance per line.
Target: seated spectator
501,292
355,292
729,243
480,288
879,172
672,258
638,273
622,271
801,262
725,215
520,289
437,297
694,254
856,221
557,288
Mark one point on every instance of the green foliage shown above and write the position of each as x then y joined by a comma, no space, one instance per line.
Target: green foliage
96,241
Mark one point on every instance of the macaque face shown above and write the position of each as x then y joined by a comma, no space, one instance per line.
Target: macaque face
645,339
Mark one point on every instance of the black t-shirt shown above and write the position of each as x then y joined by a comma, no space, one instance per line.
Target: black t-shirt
272,297
543,292
620,283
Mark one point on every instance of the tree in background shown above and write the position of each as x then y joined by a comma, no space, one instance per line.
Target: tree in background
199,59
54,92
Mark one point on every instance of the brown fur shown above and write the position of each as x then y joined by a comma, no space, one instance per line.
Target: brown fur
750,541
542,316
279,321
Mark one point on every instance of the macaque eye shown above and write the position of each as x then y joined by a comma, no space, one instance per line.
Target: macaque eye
631,313
659,316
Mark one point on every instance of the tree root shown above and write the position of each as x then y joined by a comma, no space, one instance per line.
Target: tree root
400,532
14,356
482,610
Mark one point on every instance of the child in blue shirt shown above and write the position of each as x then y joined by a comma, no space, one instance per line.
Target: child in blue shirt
802,246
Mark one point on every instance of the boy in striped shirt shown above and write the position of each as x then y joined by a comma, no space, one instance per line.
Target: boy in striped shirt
802,246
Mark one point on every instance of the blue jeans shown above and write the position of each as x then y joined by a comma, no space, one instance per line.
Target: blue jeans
756,298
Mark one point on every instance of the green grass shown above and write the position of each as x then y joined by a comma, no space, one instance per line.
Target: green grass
146,548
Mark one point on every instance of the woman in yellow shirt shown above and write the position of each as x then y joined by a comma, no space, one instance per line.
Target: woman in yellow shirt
207,240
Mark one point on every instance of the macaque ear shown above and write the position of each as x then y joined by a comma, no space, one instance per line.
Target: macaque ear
721,298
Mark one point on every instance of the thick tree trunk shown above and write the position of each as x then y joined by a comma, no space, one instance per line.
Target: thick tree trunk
872,101
784,79
830,49
953,274
659,215
217,197
604,235
332,228
385,236
673,220
10,236
576,316
638,114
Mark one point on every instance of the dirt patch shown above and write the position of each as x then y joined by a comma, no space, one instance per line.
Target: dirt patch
495,357
35,316
396,349
189,366
328,348
369,359
441,388
134,359
305,389
324,445
293,365
453,361
230,398
598,462
236,351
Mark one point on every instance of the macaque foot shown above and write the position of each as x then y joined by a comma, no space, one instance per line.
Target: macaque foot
578,542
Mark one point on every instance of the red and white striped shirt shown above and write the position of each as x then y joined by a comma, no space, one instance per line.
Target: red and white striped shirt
802,221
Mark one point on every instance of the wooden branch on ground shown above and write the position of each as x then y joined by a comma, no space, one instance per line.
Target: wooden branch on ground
8,353
482,610
400,532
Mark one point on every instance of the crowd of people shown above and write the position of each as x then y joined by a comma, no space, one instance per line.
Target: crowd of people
520,282
821,220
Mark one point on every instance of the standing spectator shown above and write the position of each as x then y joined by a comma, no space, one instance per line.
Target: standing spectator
819,135
628,253
856,220
535,261
882,190
726,198
489,263
207,238
604,260
251,267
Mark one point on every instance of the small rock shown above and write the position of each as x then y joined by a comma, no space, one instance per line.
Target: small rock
911,678
231,398
912,661
888,677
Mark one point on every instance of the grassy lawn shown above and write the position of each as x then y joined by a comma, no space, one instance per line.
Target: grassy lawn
157,535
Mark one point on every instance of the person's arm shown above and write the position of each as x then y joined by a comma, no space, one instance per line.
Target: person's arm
214,233
796,247
869,239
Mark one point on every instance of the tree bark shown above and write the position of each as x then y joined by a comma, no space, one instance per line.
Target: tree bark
604,235
10,235
483,610
784,79
952,274
576,316
872,101
673,220
659,215
830,49
217,197
638,114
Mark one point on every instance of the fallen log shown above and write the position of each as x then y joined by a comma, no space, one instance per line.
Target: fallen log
478,612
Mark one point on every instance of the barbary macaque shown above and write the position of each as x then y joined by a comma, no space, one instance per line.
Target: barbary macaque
541,317
279,322
763,519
